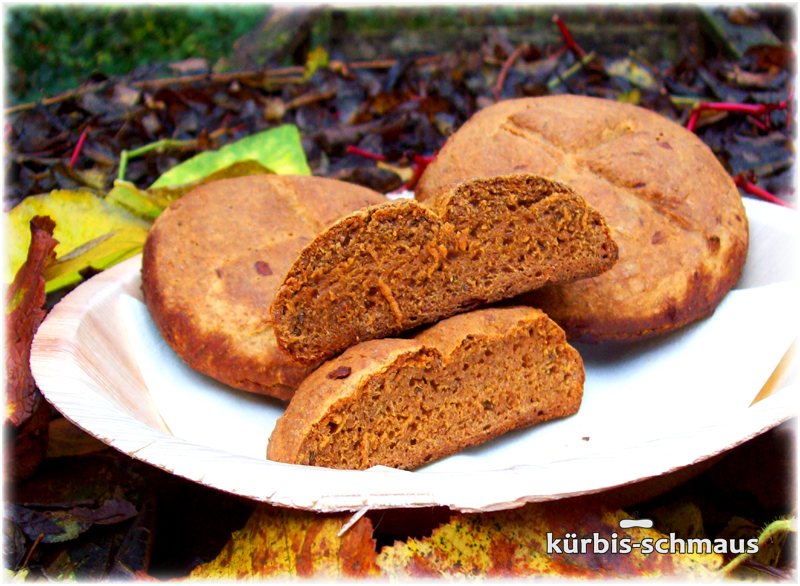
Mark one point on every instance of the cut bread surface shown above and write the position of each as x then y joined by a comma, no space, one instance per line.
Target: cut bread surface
399,265
405,403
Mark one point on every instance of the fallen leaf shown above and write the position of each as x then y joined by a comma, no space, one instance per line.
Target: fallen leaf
66,439
514,544
316,59
79,216
683,518
632,97
96,255
279,543
278,149
634,72
24,300
65,524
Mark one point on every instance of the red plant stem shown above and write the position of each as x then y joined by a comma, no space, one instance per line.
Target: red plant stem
501,79
752,189
354,150
573,46
752,109
420,164
76,153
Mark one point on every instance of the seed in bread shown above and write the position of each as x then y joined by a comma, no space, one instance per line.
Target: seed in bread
672,208
405,403
393,267
214,259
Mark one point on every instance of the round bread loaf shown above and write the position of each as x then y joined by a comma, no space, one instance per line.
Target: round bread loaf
674,212
214,259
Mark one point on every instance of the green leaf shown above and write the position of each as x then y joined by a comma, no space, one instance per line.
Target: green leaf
278,149
98,254
129,197
80,217
149,203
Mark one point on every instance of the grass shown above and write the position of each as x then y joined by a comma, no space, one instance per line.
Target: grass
51,48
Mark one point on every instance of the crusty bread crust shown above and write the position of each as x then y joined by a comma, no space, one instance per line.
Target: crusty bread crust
675,213
214,259
397,266
405,403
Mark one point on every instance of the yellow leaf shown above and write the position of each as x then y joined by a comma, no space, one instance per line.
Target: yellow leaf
515,544
683,518
405,173
80,217
632,71
279,543
316,59
98,254
632,97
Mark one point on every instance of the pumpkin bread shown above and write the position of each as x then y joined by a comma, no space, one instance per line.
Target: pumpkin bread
674,212
396,266
214,259
406,402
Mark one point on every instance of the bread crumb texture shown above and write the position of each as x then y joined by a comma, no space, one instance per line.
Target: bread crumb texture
405,403
396,266
214,259
673,210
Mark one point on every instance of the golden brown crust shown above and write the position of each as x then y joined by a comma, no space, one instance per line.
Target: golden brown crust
673,210
472,378
394,267
214,259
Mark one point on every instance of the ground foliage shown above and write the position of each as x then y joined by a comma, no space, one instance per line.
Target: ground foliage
132,520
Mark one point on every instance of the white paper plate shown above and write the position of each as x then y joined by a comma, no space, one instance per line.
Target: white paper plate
649,408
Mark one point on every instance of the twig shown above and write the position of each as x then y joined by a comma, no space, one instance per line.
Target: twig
574,68
501,79
30,551
354,150
312,98
166,143
752,189
214,77
570,42
76,153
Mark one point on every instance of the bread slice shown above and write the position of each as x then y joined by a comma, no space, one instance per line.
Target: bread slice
214,260
405,403
392,267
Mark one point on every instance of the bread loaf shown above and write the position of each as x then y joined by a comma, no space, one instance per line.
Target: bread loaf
214,259
405,403
673,210
380,271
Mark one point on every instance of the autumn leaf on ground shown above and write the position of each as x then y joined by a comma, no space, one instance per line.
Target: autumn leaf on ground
80,217
513,543
280,543
27,414
24,300
278,149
